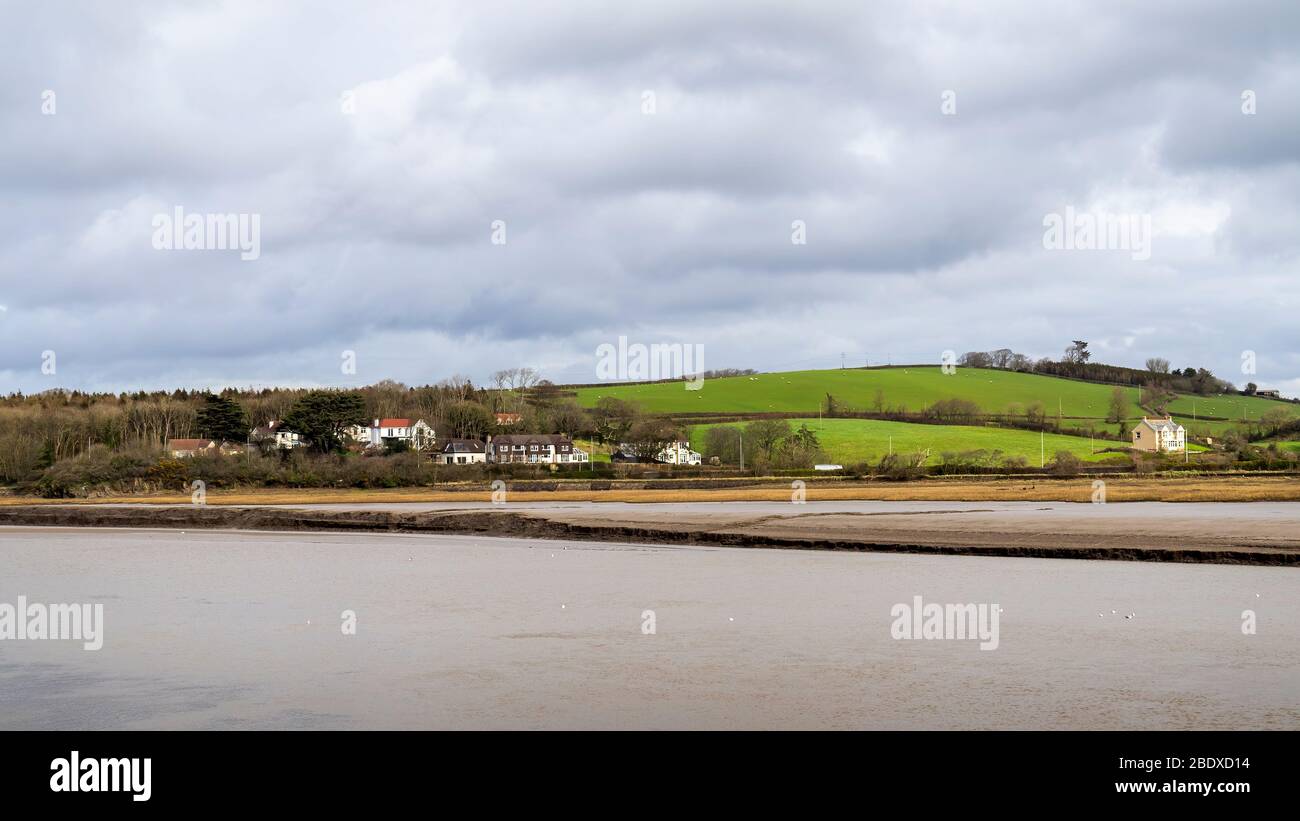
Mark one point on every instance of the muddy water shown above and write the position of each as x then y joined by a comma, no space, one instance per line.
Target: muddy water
243,630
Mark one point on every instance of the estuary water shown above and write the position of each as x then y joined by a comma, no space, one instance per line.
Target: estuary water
231,630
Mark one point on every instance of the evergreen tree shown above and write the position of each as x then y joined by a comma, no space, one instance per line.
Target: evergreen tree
221,418
320,417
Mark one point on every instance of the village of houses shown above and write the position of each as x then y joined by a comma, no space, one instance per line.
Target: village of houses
1154,435
382,435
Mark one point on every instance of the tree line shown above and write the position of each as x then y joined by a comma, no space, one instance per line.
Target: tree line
1076,363
41,430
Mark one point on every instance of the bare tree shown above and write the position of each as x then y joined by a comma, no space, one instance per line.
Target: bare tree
516,379
1118,410
459,386
514,383
1158,365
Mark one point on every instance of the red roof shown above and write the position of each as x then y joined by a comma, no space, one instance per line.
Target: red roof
394,423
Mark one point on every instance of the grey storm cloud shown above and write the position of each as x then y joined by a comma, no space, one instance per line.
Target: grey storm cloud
649,162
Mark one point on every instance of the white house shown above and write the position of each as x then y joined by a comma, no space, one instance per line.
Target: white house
461,452
359,434
274,431
415,433
679,453
189,448
1159,436
537,448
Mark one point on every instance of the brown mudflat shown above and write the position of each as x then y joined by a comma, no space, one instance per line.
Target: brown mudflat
1229,533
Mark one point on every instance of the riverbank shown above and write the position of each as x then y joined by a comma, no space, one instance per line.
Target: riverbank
1251,533
1118,488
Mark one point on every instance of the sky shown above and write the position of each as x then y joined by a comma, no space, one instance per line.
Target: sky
454,189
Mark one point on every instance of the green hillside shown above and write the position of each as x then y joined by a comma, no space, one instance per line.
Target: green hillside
909,388
901,388
1230,407
847,441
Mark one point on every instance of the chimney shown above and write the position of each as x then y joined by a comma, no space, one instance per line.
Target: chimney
376,424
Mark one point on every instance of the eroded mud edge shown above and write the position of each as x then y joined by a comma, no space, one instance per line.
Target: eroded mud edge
520,525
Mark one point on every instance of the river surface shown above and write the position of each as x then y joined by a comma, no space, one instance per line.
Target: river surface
229,630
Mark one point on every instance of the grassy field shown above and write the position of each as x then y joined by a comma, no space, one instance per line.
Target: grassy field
1234,408
1292,446
848,441
912,388
1201,428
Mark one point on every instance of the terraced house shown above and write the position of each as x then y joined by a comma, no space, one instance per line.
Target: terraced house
534,448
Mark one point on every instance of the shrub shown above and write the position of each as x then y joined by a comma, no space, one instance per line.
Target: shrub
1065,463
